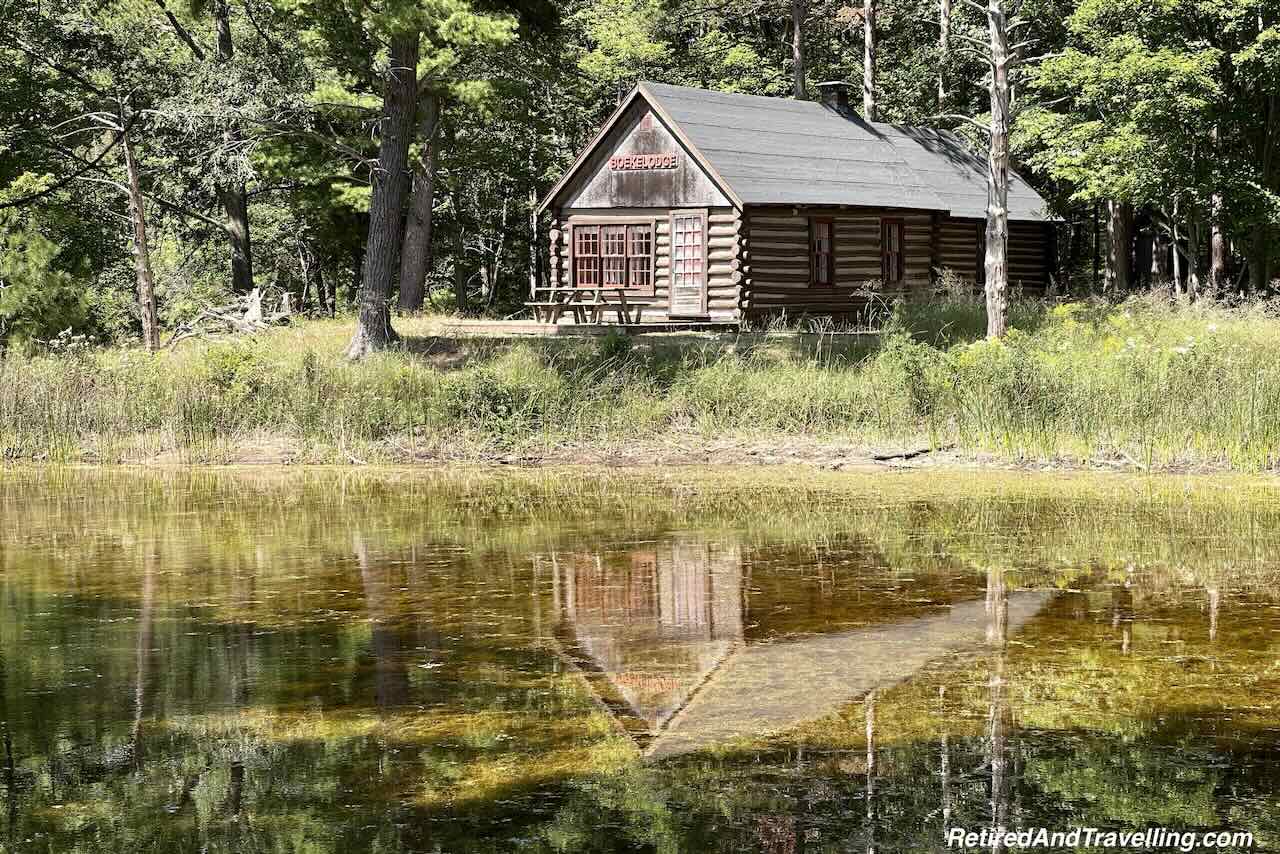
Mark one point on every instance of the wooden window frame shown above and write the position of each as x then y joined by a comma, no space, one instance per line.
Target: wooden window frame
672,215
598,224
646,289
830,223
886,275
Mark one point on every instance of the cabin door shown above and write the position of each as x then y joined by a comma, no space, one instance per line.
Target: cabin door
688,264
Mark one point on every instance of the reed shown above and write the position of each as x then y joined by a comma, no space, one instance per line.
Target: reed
1145,382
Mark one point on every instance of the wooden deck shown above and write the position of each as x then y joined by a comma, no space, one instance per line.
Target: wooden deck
566,328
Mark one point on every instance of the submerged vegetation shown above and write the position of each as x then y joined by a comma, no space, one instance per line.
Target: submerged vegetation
324,660
1141,383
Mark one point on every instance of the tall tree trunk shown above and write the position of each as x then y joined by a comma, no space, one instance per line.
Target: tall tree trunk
799,11
1097,249
944,49
869,60
1193,259
235,201
1218,278
390,185
1144,252
535,257
997,260
415,257
1176,254
141,255
322,298
1217,239
1119,240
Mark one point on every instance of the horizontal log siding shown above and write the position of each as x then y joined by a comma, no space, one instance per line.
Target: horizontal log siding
958,247
778,258
1029,245
723,260
1029,263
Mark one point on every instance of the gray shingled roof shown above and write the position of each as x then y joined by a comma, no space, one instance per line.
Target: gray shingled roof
783,151
956,174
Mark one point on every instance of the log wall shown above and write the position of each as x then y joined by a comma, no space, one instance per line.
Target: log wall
758,263
776,258
1030,251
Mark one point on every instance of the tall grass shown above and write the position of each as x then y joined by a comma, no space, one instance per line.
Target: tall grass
1143,382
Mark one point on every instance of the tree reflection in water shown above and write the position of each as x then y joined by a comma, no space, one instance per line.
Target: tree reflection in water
382,677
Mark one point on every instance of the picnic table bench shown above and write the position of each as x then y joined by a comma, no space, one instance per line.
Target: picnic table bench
593,299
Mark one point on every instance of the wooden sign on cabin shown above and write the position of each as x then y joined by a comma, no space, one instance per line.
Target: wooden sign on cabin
692,205
625,162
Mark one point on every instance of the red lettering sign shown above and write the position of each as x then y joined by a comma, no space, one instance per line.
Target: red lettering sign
633,162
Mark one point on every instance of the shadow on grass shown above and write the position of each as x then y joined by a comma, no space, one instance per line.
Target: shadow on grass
663,354
947,321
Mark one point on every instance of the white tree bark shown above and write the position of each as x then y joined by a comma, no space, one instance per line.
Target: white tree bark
141,255
799,11
944,48
996,261
869,60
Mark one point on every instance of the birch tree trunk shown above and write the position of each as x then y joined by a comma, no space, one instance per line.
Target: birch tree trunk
944,49
1217,239
235,201
390,185
1176,255
535,257
869,60
996,262
799,11
141,255
1193,259
415,257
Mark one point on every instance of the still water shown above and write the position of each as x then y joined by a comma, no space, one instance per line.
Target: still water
327,661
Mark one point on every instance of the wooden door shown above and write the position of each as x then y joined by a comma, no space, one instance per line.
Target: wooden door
688,264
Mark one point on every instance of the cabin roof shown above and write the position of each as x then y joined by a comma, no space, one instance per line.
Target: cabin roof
780,151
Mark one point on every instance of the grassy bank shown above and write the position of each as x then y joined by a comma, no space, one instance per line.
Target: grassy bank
1143,382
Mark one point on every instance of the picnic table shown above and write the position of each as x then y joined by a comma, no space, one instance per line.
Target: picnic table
592,299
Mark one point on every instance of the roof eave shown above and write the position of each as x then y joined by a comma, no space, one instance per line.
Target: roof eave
655,103
586,151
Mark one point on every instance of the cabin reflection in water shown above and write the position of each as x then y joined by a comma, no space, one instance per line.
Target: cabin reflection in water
659,634
654,625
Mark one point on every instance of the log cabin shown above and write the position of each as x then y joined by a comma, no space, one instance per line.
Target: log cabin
694,205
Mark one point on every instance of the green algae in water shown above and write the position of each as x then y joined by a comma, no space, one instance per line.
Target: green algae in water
314,661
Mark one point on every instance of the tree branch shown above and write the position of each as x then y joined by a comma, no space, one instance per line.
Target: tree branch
181,31
92,164
1030,59
70,74
958,117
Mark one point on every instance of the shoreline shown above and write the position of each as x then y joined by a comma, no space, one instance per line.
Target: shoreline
672,452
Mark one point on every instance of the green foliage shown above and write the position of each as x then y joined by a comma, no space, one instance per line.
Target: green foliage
38,299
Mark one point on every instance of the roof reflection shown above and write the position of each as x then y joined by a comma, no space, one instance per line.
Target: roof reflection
659,634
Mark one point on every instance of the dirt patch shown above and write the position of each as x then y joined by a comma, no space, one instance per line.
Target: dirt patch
671,451
825,454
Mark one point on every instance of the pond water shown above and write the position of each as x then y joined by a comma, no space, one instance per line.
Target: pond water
329,661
